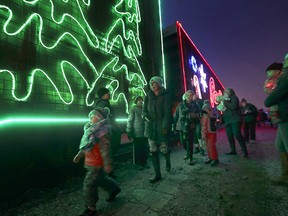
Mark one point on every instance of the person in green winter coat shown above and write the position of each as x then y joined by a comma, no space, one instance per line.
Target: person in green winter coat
233,119
250,113
186,118
279,96
157,114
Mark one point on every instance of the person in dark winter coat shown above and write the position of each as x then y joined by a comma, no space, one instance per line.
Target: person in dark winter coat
279,97
250,113
157,114
273,72
135,130
186,117
233,119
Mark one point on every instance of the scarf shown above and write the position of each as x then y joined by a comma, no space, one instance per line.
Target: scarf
92,133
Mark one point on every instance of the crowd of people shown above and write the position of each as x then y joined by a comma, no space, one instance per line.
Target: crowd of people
151,121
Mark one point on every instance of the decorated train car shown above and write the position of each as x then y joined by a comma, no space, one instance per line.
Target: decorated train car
54,56
187,69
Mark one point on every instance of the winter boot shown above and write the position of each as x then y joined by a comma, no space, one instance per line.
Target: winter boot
283,179
156,166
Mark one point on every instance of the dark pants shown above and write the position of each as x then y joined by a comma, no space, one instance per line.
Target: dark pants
234,130
96,177
182,141
250,131
141,150
188,143
115,139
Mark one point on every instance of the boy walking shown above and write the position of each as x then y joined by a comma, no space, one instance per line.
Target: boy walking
94,147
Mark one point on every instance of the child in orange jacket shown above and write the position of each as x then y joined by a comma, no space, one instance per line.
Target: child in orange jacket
208,132
94,146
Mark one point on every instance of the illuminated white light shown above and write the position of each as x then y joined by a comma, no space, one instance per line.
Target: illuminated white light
195,82
203,76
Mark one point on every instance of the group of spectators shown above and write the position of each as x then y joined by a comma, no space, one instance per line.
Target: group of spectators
151,120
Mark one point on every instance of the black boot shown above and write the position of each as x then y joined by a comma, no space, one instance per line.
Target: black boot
156,166
242,144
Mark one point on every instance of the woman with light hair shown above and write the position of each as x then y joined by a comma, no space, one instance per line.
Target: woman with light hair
186,116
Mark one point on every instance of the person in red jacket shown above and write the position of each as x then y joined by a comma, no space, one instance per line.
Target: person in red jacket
208,132
94,146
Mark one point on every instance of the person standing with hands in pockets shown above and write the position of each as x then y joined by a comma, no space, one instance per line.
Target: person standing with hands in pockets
135,131
157,114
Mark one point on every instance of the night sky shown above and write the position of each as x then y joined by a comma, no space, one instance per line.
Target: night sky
239,39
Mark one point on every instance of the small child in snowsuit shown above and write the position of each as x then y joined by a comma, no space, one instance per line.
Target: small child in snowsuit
95,145
273,72
208,125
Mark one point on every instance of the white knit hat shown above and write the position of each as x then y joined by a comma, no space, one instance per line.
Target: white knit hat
156,79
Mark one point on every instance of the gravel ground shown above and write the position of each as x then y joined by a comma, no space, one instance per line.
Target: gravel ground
238,186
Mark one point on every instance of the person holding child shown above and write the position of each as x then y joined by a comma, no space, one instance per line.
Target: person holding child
94,147
273,72
279,97
208,132
232,117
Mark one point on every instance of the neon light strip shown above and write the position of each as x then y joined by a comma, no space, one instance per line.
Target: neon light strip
181,28
182,56
49,120
162,46
42,120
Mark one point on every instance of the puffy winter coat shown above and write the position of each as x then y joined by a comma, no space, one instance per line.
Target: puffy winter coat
249,113
157,114
99,155
180,114
232,113
135,123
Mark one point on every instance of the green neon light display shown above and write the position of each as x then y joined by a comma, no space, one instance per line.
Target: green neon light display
48,120
119,36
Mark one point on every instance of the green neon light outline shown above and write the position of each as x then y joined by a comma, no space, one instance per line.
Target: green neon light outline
162,45
130,53
43,120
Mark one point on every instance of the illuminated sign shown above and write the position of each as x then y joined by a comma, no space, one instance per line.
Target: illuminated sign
196,70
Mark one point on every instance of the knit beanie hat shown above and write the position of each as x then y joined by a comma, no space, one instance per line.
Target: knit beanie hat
137,98
100,112
157,79
275,66
102,91
243,100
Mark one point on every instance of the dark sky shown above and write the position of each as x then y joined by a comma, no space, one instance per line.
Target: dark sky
239,39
